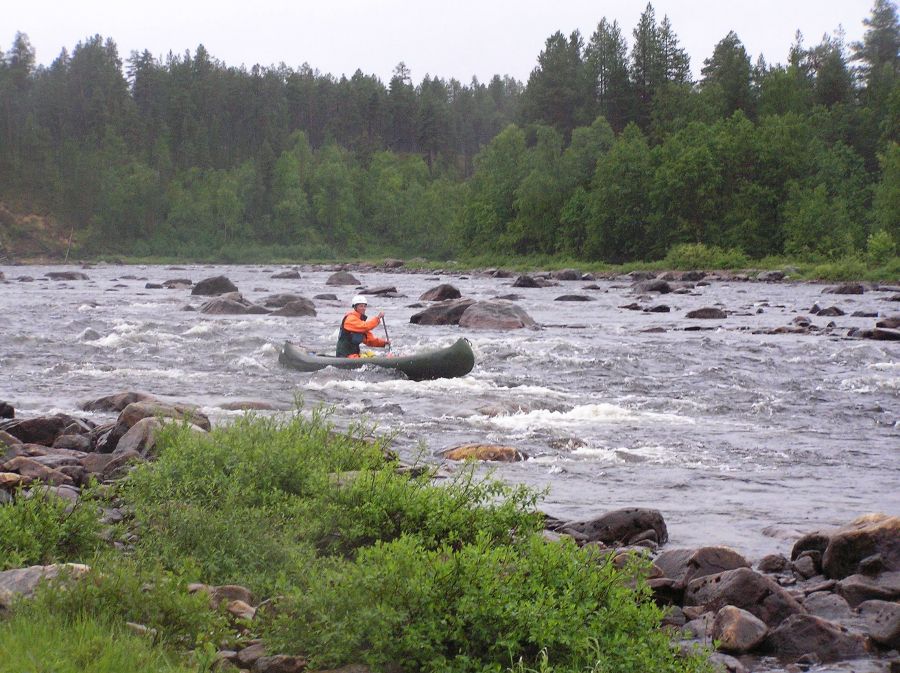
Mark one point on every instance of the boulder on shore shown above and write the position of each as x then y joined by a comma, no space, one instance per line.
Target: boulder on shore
686,565
139,410
800,634
746,589
737,630
844,548
116,401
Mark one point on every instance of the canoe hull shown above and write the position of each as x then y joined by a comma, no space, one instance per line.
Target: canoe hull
444,363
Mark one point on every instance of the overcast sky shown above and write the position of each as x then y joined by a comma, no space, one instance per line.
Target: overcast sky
447,38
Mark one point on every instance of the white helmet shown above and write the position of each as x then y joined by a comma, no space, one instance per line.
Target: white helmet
359,299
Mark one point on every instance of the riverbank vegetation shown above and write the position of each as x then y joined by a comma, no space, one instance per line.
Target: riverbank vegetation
364,563
610,153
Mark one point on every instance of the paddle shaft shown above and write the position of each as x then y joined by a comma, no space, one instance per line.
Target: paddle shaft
386,337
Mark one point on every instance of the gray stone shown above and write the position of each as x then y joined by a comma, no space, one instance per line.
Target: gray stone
827,605
708,313
684,565
441,293
342,278
217,285
621,526
859,588
442,313
22,582
495,315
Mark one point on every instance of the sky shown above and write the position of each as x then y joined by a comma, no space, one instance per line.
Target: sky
446,38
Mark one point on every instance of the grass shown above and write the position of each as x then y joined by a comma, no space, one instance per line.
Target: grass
55,644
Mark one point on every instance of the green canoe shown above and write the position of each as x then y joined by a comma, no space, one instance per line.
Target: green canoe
443,363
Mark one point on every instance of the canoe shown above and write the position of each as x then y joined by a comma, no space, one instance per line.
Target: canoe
443,363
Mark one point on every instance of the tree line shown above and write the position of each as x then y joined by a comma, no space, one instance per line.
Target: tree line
608,152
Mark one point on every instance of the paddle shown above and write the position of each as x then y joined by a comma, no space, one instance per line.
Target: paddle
386,337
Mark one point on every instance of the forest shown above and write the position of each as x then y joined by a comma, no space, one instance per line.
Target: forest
610,152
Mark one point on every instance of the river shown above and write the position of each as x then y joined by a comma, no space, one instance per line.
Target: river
738,438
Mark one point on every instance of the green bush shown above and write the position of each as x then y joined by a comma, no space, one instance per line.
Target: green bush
379,505
43,529
119,590
55,644
880,248
477,607
688,256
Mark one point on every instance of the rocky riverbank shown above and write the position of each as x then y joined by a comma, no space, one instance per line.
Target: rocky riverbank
833,597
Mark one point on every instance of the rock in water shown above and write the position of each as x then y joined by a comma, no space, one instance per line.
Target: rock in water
216,285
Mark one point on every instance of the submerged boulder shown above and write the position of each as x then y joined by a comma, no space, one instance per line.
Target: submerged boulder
441,293
342,278
232,304
623,526
496,315
446,312
216,285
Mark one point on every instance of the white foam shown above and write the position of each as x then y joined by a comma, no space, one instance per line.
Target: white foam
581,415
202,329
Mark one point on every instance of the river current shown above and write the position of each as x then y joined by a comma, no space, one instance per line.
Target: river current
738,438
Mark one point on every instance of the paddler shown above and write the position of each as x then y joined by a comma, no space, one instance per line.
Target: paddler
356,329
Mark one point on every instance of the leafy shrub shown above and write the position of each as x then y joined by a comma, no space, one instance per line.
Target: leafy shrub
54,644
477,607
118,590
880,248
381,506
43,529
699,256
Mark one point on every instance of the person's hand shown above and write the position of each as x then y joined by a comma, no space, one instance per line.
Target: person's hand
387,343
381,315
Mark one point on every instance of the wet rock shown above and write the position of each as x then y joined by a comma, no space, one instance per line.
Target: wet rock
326,297
831,311
659,308
441,293
6,410
685,565
177,283
860,588
655,285
10,481
892,322
707,313
296,309
882,620
574,297
799,635
293,274
342,278
642,275
526,281
381,291
442,313
805,566
622,526
66,275
138,410
846,288
232,304
724,663
495,315
566,274
879,334
633,306
116,402
217,285
737,630
746,589
770,276
283,299
492,452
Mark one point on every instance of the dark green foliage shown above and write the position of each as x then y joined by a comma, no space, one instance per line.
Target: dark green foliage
191,157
